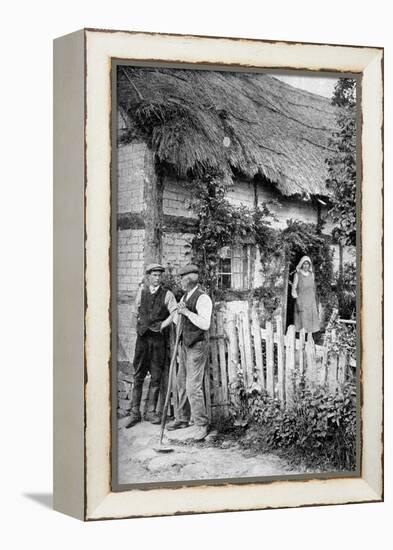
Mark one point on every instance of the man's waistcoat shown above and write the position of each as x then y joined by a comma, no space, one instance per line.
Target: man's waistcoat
191,333
152,311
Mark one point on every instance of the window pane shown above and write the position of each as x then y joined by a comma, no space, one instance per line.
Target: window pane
225,265
225,281
245,267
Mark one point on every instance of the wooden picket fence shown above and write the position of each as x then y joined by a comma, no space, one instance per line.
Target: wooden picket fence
266,358
260,357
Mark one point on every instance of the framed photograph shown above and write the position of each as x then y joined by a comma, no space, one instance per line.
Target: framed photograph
218,274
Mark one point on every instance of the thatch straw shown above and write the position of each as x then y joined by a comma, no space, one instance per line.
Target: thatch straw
276,131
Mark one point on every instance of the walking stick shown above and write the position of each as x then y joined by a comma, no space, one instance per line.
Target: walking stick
161,448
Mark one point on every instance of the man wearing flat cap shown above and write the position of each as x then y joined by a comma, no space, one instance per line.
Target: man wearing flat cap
195,307
155,307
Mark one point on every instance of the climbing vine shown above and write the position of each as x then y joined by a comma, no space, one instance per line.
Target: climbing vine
221,224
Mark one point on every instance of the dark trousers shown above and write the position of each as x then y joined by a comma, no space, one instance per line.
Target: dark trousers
149,357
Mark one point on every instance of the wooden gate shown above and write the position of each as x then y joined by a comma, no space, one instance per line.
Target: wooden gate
266,358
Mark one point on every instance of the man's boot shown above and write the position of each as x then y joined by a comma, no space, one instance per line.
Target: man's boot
135,415
151,415
134,418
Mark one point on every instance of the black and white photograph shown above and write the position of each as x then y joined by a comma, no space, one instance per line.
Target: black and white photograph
236,274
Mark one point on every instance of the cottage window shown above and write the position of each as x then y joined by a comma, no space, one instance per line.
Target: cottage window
234,268
224,273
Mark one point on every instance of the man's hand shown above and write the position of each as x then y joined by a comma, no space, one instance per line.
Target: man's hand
182,309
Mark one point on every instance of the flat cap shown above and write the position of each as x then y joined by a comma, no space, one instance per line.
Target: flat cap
189,268
154,267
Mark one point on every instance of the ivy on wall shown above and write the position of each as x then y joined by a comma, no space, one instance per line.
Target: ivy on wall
221,223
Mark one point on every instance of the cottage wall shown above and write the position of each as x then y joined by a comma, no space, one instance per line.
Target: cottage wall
177,199
177,230
287,208
130,174
129,275
176,250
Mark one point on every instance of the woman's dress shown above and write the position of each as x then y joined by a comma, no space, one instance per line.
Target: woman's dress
306,312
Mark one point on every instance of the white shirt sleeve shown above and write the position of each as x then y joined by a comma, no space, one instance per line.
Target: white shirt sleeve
202,317
170,301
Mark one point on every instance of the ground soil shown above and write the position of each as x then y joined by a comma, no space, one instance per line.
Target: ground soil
214,458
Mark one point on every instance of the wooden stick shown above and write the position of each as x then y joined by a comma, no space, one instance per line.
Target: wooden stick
233,350
342,368
280,360
170,377
239,323
247,348
289,365
301,352
332,372
256,333
269,358
311,370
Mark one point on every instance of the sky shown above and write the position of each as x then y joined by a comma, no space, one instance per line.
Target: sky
318,85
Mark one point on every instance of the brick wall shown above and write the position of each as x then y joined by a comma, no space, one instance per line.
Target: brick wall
130,171
129,273
242,193
176,249
287,208
130,259
176,199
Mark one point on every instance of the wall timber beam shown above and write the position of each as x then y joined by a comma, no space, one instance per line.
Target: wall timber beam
171,224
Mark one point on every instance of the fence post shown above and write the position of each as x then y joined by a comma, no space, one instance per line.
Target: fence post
222,358
342,368
311,359
256,332
233,350
269,358
325,357
247,347
214,363
239,323
331,374
208,391
301,352
280,360
289,365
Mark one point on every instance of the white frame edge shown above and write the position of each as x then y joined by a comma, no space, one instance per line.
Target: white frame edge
101,47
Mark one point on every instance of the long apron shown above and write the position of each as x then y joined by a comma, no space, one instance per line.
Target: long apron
306,312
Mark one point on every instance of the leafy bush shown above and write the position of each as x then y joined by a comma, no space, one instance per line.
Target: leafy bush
345,338
319,427
347,291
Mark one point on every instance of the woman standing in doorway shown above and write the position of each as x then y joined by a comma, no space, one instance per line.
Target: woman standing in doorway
303,290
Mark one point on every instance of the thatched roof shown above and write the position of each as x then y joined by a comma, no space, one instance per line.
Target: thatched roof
276,131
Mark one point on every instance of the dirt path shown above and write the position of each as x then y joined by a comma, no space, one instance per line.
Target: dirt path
139,462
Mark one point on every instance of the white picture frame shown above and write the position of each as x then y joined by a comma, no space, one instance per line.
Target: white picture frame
82,245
